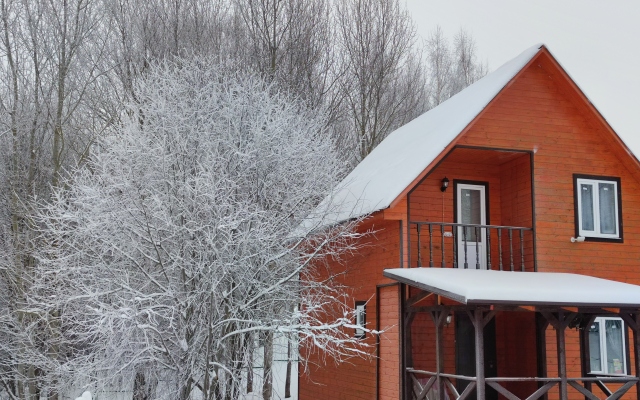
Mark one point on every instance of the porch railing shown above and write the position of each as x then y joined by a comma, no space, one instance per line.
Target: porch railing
424,389
463,245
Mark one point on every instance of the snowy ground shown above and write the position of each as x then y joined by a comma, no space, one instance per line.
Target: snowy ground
279,376
280,368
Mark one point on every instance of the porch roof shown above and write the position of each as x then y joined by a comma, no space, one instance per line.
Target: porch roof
480,287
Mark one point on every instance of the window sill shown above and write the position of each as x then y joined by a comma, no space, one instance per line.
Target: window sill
602,375
602,239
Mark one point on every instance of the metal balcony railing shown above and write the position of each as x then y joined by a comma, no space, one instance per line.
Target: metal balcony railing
473,246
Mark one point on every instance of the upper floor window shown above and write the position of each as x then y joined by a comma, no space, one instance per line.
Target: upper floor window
598,210
607,347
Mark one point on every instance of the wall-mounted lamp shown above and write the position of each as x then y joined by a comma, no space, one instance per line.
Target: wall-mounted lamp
578,239
448,320
445,184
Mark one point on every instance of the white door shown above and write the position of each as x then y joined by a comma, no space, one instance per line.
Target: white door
472,242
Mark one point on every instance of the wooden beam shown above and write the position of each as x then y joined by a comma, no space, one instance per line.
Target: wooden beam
488,317
585,352
620,392
478,323
636,347
439,318
541,391
465,393
586,392
418,297
408,340
604,388
422,391
562,354
452,389
503,391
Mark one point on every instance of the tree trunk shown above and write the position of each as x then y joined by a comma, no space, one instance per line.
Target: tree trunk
287,383
143,389
267,382
250,344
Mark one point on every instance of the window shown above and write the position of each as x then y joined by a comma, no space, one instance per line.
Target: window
598,211
607,349
361,313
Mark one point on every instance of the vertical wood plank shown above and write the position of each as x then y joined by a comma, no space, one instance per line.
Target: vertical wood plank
636,347
478,323
439,320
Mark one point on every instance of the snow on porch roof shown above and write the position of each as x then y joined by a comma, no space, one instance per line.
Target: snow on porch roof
391,167
471,286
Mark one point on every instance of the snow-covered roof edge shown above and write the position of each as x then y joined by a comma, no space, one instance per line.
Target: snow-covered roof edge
471,286
393,165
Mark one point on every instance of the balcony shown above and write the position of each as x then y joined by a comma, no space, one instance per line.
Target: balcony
457,245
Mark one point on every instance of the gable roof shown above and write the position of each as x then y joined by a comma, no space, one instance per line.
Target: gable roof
403,156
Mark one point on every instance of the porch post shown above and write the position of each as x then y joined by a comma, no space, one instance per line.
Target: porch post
585,352
560,321
562,356
633,321
439,318
478,323
636,348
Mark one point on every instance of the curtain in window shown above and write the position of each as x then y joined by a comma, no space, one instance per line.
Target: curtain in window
586,200
615,349
607,197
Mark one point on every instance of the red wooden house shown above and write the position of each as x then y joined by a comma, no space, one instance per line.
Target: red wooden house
507,250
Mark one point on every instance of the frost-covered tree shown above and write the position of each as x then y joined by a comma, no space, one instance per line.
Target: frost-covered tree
178,244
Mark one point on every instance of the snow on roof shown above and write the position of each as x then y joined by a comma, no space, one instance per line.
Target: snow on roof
471,286
391,167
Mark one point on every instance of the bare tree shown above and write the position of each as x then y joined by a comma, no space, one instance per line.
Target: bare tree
451,69
383,81
465,66
440,67
52,105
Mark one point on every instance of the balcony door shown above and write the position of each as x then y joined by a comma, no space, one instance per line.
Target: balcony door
471,208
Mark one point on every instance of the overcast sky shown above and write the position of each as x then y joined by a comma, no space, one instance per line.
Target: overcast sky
597,42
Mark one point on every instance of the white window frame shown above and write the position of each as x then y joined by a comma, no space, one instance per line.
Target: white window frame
603,346
361,318
596,208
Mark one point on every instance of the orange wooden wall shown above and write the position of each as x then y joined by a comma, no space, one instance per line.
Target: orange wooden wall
509,204
537,112
356,379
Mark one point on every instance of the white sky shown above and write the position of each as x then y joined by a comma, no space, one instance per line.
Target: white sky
597,42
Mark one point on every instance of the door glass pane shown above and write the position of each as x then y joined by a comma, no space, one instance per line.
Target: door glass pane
615,350
607,208
586,200
471,210
594,347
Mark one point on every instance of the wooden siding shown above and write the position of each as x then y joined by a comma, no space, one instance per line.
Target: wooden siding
509,193
539,112
356,379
